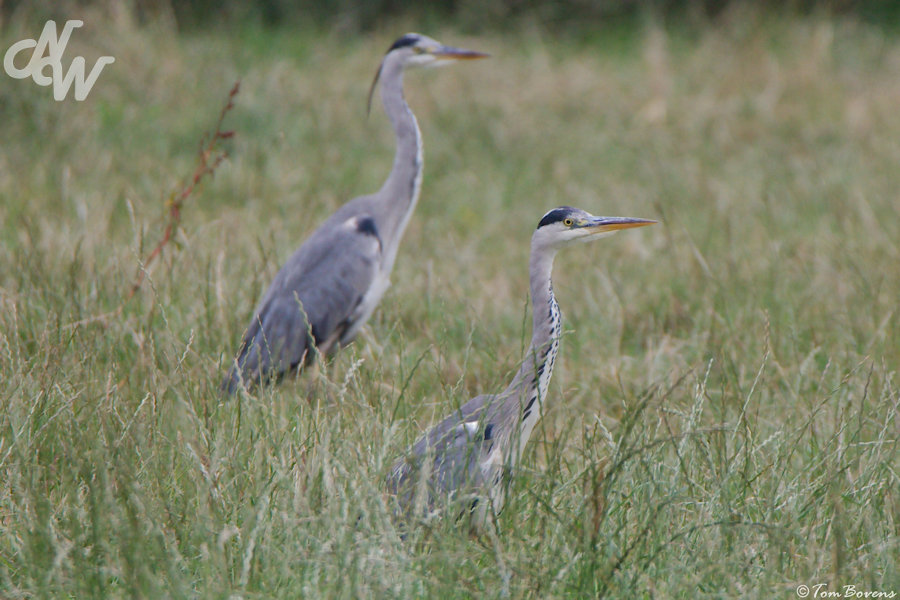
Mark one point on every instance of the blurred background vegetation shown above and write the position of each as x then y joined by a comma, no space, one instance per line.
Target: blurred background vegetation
471,15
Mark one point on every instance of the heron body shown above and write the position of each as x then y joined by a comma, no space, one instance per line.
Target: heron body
327,290
464,458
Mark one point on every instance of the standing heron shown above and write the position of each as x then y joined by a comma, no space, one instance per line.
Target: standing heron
328,288
463,458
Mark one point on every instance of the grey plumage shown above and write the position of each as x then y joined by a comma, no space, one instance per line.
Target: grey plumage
463,459
328,288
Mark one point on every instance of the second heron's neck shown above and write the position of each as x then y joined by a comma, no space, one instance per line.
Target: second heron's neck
401,189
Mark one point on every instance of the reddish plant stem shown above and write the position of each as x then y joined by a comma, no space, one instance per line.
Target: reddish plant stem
176,201
205,166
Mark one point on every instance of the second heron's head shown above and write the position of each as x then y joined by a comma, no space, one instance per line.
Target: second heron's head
417,50
566,225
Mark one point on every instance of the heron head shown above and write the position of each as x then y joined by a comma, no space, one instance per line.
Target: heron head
417,50
565,225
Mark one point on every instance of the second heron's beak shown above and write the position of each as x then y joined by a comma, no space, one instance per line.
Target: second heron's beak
451,53
608,224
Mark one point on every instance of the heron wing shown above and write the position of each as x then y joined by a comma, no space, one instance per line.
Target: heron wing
451,455
313,299
458,456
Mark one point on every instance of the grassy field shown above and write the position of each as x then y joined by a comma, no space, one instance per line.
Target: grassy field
723,417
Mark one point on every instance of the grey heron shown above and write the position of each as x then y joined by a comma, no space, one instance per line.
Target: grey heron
327,290
464,457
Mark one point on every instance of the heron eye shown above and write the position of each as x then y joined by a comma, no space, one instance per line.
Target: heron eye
568,222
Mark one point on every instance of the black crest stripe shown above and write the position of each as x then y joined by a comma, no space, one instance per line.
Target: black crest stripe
407,40
556,215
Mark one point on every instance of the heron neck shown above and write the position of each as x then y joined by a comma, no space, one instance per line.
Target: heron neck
534,375
523,400
400,191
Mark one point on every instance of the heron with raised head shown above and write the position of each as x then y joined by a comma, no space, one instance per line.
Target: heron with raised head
327,290
462,460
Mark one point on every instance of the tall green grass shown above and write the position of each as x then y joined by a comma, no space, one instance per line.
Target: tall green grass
723,418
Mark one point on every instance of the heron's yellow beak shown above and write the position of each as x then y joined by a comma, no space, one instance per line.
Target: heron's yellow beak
451,53
605,224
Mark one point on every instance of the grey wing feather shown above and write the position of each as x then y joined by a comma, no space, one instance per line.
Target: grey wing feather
449,455
312,299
